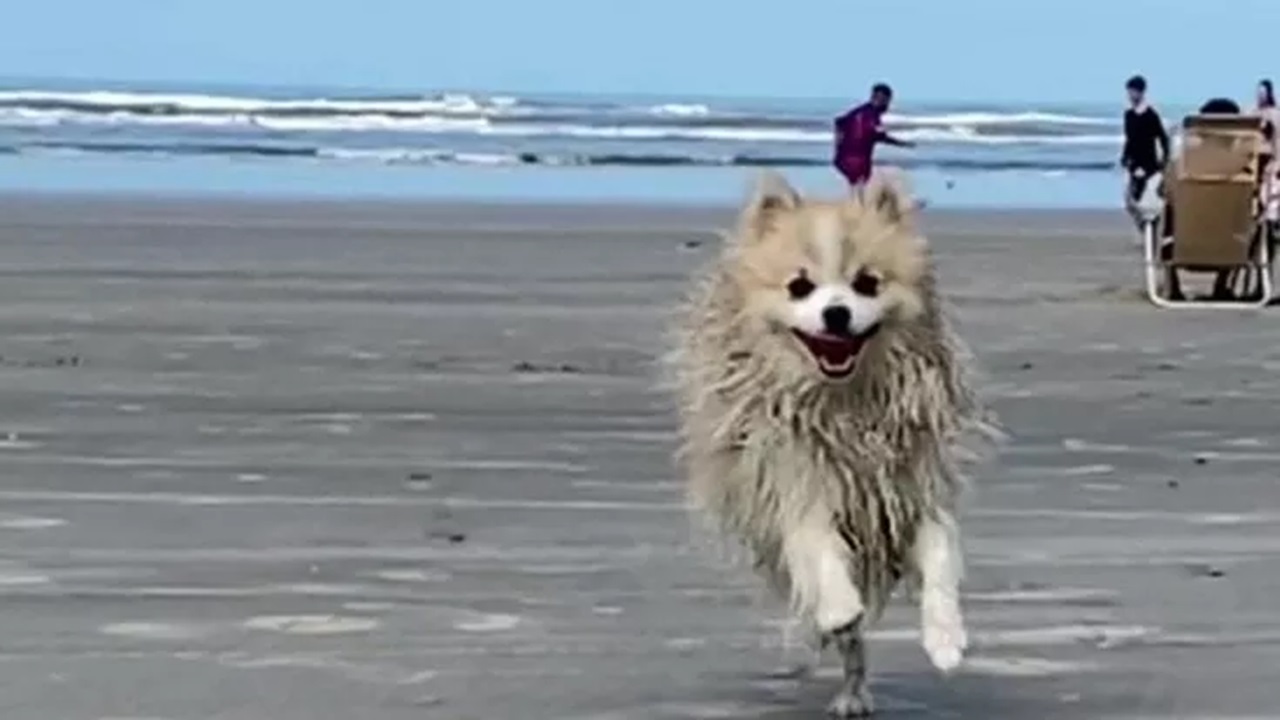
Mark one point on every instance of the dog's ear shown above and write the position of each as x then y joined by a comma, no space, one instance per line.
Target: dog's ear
888,195
772,195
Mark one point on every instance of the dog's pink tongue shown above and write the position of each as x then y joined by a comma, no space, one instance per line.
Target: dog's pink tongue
836,348
836,357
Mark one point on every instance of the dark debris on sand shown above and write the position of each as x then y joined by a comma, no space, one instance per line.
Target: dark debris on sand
524,366
57,361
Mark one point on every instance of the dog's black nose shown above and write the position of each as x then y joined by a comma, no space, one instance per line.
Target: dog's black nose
836,319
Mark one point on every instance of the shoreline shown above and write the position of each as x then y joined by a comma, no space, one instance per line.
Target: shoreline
693,187
16,198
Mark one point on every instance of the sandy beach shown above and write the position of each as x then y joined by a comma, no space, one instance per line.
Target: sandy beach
304,461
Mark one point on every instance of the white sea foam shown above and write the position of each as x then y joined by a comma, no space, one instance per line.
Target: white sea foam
963,134
111,100
451,103
480,126
680,110
475,129
995,118
508,116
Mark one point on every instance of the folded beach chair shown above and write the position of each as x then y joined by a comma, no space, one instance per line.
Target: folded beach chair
1213,219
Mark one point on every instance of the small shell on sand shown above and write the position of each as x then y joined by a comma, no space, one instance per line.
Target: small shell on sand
311,624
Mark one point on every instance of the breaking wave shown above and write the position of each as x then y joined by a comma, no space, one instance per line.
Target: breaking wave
513,117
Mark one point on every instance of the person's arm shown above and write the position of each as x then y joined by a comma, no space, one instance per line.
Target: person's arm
1162,136
888,139
877,131
1127,148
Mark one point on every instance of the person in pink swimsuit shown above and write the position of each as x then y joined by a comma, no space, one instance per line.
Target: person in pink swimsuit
857,133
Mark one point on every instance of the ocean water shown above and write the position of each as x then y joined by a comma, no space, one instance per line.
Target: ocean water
517,146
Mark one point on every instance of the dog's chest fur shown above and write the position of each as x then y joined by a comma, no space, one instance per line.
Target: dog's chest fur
786,454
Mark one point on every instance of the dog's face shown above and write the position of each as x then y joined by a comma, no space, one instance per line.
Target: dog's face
827,278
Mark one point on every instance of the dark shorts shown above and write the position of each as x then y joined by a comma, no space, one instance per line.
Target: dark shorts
1139,178
855,171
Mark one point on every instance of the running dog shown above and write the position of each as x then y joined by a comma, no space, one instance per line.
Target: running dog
825,403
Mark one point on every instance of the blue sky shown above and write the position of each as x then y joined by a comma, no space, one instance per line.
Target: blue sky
935,49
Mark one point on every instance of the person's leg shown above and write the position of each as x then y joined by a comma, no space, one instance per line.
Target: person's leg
1167,219
1173,287
1135,187
1269,188
1222,285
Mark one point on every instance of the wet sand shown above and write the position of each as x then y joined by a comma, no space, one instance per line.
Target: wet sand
270,461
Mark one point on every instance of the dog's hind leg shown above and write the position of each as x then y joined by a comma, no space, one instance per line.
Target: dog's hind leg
936,555
853,700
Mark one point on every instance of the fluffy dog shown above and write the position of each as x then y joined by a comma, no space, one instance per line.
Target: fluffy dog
824,403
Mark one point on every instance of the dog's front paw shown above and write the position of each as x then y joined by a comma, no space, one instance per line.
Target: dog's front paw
851,704
944,637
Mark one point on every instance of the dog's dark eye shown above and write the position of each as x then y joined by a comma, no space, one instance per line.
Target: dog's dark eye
800,288
867,285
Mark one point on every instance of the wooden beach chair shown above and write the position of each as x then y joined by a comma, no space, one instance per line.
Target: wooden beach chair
1213,219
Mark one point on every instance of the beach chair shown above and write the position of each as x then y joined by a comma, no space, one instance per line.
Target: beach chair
1213,219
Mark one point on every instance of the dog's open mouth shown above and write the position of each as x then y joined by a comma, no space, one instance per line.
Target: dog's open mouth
837,355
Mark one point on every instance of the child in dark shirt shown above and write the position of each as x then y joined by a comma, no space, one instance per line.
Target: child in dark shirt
1146,143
